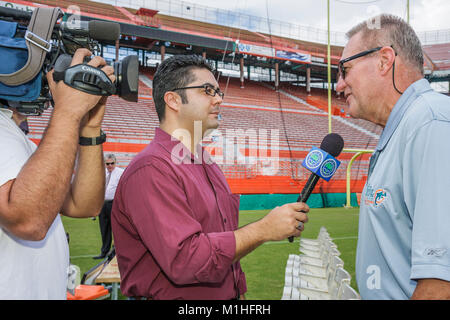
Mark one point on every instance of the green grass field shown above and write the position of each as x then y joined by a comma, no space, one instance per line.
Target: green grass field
264,267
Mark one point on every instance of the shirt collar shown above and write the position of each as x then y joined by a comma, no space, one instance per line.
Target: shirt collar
6,112
181,153
402,105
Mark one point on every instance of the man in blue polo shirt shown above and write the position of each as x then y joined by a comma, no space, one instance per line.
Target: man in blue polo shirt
404,225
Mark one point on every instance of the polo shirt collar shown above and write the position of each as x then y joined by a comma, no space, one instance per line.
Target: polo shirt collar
402,105
6,112
169,142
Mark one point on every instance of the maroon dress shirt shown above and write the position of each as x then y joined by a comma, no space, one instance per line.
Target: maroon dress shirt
173,219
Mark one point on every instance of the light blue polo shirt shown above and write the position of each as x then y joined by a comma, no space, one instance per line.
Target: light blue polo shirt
404,221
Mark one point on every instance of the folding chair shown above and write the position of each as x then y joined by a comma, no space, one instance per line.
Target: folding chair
320,282
332,294
341,276
316,247
346,292
306,275
287,293
320,257
90,275
73,277
323,234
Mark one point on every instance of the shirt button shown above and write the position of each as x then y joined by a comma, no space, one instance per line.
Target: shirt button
224,220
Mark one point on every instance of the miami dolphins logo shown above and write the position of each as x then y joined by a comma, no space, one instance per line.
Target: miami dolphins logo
380,196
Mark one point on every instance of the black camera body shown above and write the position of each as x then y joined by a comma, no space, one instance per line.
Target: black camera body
66,37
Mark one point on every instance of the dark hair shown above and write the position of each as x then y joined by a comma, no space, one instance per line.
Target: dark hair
175,72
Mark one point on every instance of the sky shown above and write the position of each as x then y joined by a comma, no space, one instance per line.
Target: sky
425,15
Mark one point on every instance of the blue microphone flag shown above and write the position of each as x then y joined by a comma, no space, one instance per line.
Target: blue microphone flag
321,163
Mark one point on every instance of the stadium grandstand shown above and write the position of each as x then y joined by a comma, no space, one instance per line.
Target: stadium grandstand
276,96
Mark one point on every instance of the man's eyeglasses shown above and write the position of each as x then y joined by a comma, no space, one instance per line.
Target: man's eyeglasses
109,163
342,69
209,90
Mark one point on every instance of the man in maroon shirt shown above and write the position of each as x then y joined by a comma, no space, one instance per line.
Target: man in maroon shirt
174,218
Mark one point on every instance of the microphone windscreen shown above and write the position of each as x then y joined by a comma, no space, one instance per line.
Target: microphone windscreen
104,30
333,144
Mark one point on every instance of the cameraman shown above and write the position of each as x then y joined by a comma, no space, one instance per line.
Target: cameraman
35,185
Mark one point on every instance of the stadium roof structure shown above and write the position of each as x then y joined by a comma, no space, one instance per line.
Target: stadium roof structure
437,62
147,29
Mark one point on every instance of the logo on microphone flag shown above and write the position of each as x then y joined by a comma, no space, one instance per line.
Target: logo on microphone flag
314,159
321,163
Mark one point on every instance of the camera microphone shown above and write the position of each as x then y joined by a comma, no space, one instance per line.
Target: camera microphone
94,29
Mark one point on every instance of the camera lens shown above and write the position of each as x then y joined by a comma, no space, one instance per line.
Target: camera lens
127,78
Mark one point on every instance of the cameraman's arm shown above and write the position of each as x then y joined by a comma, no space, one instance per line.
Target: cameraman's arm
30,202
87,192
86,195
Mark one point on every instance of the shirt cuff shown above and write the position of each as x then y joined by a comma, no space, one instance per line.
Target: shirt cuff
223,250
429,271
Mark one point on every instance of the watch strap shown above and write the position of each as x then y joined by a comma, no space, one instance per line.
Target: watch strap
93,141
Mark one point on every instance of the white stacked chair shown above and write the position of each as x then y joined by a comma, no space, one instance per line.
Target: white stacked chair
319,282
323,235
309,272
346,292
318,272
336,279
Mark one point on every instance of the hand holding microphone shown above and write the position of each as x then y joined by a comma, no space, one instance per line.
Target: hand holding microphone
322,164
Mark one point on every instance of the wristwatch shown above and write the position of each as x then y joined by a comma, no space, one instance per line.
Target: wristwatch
93,141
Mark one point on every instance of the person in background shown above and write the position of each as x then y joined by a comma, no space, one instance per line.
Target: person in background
113,174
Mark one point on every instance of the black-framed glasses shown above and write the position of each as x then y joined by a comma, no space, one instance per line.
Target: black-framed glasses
342,69
209,90
109,163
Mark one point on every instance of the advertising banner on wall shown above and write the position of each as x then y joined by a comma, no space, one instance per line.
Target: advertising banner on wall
280,53
255,50
294,56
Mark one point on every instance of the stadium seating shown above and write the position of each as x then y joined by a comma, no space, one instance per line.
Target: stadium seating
130,127
298,119
90,8
438,53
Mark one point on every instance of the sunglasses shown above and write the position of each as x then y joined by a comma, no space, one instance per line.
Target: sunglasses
343,70
209,90
109,163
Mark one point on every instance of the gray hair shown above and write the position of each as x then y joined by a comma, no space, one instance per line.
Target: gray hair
390,30
111,156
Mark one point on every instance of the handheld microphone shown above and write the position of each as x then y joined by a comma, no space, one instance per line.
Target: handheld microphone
322,164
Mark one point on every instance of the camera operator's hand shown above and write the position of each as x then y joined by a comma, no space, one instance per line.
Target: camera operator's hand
74,102
91,123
